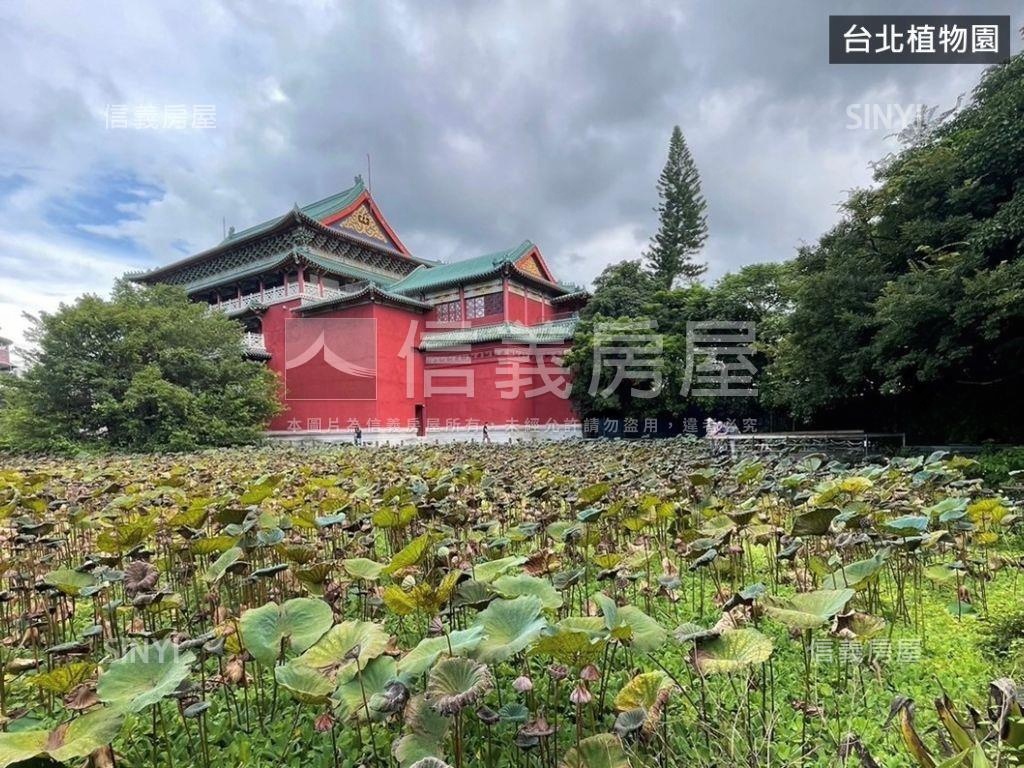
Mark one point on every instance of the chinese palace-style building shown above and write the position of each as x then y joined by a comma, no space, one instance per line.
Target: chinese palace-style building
364,333
5,356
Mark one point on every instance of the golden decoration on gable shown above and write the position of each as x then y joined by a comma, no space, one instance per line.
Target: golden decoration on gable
363,222
529,264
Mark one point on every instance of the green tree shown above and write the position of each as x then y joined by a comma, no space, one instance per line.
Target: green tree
621,289
758,293
682,217
147,369
909,314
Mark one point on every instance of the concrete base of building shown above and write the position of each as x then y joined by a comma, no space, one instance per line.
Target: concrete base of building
519,433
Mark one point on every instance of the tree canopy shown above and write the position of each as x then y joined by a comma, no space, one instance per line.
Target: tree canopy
914,302
147,369
907,315
682,218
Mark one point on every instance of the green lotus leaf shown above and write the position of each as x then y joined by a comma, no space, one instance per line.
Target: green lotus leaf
949,509
940,574
523,584
644,633
67,742
69,581
362,568
60,680
346,648
220,566
398,601
260,490
212,544
807,610
509,626
144,675
313,577
371,680
601,751
815,522
608,609
630,721
305,684
570,646
857,575
488,571
688,632
593,493
394,517
907,525
642,691
591,626
300,621
412,553
732,651
424,733
456,683
421,658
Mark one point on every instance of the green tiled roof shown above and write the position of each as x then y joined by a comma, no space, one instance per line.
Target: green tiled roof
425,278
370,291
311,257
508,332
318,210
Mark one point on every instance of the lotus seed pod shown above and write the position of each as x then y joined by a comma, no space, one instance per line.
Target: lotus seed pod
523,684
580,695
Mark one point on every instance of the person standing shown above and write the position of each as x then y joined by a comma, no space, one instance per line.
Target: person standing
487,437
358,435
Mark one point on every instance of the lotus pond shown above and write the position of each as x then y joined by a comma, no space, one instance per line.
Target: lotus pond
599,604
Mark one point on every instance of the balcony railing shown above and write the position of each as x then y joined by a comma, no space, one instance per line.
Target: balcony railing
279,293
254,343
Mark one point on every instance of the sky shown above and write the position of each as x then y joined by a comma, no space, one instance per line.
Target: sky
132,133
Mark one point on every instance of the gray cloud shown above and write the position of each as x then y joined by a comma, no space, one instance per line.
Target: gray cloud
487,123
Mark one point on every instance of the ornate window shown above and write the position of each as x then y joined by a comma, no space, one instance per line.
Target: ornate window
484,306
450,311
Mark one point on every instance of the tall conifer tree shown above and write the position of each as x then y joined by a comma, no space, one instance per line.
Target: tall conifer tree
683,224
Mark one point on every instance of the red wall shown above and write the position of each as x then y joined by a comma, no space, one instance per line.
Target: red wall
400,380
395,329
489,402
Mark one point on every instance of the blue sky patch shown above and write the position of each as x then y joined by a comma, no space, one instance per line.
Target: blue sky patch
104,199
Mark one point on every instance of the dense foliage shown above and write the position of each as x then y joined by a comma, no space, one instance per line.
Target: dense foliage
909,314
916,299
757,293
584,604
145,370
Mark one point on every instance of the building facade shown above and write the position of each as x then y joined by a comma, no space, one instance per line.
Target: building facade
5,356
367,337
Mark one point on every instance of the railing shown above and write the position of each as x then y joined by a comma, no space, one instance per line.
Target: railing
563,316
277,294
254,343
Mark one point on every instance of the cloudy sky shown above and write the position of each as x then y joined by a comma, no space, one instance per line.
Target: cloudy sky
487,123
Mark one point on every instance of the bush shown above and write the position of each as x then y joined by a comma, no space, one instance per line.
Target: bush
995,466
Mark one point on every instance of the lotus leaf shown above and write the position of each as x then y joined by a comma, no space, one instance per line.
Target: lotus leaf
300,621
732,651
144,675
509,626
807,610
